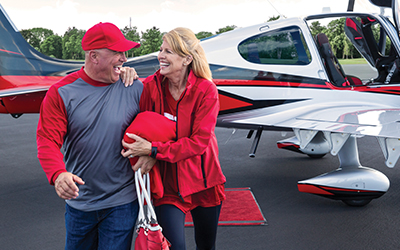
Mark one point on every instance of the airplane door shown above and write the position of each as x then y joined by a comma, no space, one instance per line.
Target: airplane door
396,14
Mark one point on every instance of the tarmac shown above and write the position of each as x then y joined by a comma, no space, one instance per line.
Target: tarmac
32,215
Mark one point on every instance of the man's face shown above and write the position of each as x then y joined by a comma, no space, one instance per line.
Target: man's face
109,65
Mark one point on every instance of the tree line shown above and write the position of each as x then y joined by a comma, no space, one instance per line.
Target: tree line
69,46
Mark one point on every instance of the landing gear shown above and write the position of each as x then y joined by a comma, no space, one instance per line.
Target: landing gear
351,183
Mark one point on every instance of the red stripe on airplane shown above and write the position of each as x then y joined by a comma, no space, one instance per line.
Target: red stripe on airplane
10,52
9,82
324,190
305,188
287,144
387,89
228,103
233,82
347,190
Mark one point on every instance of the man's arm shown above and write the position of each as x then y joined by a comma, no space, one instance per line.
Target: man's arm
52,127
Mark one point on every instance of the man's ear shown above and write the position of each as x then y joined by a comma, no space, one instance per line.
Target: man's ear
93,56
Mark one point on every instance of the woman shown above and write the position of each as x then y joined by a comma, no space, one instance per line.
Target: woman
182,90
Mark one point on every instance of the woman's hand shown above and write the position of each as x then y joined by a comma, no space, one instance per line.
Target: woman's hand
140,147
128,75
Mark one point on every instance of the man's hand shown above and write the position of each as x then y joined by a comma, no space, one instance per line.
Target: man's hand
65,185
128,75
145,163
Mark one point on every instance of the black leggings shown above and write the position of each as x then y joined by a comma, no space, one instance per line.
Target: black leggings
205,220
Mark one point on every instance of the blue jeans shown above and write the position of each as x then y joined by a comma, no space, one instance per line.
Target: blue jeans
110,228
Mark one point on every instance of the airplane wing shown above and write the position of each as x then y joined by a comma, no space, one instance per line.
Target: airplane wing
22,91
336,122
23,94
348,118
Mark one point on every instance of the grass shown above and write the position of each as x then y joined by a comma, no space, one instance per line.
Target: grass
352,61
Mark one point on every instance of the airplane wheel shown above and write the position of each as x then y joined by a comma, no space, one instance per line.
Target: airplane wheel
357,203
316,156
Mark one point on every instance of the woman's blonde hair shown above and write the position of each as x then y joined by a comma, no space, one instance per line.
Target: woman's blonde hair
184,42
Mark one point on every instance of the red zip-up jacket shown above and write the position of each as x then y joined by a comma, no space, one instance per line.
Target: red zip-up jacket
195,150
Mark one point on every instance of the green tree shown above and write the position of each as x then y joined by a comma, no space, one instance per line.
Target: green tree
30,38
131,34
316,28
225,29
151,41
376,30
71,44
347,49
336,36
36,36
203,34
42,33
52,46
274,18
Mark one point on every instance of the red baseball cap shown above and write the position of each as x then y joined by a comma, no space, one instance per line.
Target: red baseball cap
106,35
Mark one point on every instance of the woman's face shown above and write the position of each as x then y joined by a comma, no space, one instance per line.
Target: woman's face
171,64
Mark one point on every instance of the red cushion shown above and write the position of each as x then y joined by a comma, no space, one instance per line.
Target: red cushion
152,127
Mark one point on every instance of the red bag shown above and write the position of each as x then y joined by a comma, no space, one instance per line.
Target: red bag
149,232
152,127
148,239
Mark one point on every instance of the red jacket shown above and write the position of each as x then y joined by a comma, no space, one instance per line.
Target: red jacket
195,150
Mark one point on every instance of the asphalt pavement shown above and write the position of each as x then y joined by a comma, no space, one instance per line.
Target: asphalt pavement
32,215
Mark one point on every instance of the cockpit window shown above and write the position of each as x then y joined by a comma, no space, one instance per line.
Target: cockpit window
381,39
284,46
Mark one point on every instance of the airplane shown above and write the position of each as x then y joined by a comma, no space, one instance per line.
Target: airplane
271,76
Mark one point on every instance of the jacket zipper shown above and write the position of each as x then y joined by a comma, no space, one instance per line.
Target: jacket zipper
203,171
177,184
177,180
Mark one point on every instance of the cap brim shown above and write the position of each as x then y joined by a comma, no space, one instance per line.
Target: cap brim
124,45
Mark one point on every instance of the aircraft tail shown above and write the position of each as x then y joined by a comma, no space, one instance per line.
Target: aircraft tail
25,73
17,57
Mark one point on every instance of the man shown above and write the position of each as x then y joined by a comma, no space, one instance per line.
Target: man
87,113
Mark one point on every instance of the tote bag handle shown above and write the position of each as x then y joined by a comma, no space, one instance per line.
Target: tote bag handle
143,194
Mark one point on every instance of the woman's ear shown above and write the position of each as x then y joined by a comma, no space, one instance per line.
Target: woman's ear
188,60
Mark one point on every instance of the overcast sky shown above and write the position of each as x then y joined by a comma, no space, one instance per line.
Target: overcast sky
198,15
